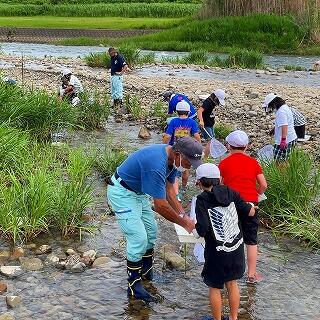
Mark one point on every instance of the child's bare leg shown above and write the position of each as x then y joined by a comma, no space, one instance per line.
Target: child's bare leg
206,151
234,298
185,177
252,256
215,303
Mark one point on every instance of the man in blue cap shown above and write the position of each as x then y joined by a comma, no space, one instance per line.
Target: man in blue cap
149,172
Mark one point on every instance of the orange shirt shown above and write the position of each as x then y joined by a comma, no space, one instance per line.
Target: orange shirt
239,172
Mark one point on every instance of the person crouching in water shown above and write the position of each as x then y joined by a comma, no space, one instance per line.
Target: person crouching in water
284,133
71,87
218,212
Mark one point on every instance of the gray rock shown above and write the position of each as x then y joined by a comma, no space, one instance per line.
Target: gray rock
11,271
90,254
13,301
101,262
253,95
70,252
31,264
174,260
252,113
79,267
72,261
44,249
144,133
4,254
17,253
51,259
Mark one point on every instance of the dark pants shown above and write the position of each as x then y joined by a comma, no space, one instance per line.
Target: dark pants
300,131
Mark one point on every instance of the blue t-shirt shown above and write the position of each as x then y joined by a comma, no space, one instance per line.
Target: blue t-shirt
177,98
146,171
117,63
178,128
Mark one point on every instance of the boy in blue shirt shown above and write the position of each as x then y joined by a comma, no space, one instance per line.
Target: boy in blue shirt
178,128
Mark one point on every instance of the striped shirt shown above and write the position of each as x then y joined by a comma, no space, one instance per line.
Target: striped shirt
298,118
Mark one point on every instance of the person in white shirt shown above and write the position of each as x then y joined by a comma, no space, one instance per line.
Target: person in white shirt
71,87
284,133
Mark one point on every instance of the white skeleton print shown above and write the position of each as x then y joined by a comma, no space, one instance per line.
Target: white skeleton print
224,222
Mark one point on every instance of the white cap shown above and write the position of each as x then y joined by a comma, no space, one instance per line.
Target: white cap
238,138
183,106
268,99
66,71
207,170
221,95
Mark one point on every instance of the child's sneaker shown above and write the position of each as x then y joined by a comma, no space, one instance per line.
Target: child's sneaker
255,279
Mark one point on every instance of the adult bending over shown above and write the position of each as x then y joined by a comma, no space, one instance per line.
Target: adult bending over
147,172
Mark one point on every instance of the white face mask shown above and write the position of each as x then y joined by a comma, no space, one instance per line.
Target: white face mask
180,168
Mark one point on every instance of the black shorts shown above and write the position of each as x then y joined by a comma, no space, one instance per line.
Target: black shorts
300,131
250,229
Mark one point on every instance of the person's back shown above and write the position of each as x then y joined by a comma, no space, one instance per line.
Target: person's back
284,116
76,83
244,174
175,99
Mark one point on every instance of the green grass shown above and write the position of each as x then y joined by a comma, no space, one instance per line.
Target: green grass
113,23
294,68
293,198
55,2
263,33
128,10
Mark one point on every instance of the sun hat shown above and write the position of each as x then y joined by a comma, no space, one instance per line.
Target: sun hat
268,99
191,149
183,106
66,71
221,95
207,170
237,138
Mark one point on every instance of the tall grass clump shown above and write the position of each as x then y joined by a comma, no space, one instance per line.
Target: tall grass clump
93,110
221,131
134,107
243,58
34,111
98,60
196,57
293,197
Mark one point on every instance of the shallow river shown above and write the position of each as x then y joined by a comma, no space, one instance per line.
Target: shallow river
290,290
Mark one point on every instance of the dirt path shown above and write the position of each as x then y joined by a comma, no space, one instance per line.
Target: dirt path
44,35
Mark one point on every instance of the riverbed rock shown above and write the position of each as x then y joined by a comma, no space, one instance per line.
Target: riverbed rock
13,301
253,95
174,260
17,253
79,267
70,252
88,257
6,316
144,133
101,262
31,264
3,287
72,261
11,271
4,254
44,249
51,259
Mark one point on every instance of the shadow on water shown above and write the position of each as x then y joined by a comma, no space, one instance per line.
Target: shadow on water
290,289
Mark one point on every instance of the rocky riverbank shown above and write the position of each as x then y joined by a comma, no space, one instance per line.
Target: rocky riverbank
243,104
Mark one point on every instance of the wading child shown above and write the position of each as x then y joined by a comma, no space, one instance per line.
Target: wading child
178,128
218,209
243,174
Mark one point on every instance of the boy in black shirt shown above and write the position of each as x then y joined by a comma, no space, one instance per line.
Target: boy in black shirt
218,210
206,115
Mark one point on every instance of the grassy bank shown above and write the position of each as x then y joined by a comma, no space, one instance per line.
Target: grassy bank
264,33
293,198
114,23
130,10
57,2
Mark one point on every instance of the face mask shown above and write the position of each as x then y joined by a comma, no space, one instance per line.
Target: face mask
180,168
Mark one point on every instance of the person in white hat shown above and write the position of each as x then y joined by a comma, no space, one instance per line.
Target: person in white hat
206,115
284,133
71,87
218,211
244,174
183,126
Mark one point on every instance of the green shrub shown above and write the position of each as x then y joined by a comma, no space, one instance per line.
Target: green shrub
98,60
196,57
93,110
243,58
134,107
130,53
294,68
221,130
292,194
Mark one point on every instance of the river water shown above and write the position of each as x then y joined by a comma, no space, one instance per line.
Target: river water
290,290
45,50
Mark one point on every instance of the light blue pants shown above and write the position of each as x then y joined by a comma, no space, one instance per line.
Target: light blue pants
205,135
116,87
135,218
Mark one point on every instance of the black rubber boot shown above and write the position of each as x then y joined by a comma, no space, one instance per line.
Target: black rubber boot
135,287
147,265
